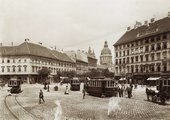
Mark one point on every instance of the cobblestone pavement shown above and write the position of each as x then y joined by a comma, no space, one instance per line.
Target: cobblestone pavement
74,107
4,112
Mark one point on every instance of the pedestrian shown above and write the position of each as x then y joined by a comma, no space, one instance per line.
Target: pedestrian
121,91
84,93
129,91
147,93
41,97
48,88
66,91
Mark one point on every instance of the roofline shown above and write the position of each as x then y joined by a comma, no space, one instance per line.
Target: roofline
149,35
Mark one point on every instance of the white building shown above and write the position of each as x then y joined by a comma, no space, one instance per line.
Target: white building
25,60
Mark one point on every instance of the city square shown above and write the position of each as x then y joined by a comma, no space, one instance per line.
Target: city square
85,60
73,107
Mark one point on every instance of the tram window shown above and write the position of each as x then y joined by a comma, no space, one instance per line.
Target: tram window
168,82
165,82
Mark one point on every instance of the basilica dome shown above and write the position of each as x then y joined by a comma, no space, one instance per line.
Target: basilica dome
106,50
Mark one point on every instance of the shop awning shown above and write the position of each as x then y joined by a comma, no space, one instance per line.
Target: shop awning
153,78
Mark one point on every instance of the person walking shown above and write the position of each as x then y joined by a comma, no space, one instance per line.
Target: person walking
41,97
66,91
84,93
48,88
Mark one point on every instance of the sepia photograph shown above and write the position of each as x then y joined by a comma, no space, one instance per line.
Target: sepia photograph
84,59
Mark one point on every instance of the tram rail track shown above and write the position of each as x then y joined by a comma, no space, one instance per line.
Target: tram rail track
17,110
8,108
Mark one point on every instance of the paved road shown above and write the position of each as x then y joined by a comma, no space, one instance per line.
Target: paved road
92,108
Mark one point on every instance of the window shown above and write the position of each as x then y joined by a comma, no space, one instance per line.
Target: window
164,45
152,47
152,39
132,52
19,68
127,59
13,60
164,36
147,40
25,60
127,52
141,49
152,57
8,61
2,60
116,54
141,58
136,58
158,56
120,54
3,68
8,68
146,48
131,59
25,68
132,44
13,68
164,55
123,53
120,62
123,60
19,61
146,56
158,38
132,69
136,67
127,45
158,46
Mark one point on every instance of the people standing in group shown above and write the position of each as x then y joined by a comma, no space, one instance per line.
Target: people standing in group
41,97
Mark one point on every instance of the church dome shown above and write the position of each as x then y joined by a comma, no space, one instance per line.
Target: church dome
106,50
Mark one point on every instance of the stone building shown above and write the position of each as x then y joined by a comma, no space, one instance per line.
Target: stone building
144,51
25,60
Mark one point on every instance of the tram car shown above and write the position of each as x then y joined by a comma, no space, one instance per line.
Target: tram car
163,85
75,84
15,85
100,87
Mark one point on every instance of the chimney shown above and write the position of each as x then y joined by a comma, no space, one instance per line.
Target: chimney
152,20
128,28
146,23
168,14
26,40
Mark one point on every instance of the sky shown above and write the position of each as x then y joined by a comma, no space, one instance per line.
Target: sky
74,24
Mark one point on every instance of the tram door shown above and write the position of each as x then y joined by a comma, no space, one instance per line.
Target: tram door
103,86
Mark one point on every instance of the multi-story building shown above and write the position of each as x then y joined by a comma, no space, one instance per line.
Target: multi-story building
25,60
84,61
144,51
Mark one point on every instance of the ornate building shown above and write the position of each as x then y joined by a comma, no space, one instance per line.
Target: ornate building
106,55
144,51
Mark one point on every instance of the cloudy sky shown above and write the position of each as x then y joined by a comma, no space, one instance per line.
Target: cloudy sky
74,24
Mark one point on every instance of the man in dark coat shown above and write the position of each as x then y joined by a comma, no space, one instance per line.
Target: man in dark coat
41,97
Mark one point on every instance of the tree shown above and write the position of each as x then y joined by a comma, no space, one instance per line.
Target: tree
43,73
107,73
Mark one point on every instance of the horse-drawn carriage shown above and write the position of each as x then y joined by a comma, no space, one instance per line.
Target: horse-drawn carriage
162,93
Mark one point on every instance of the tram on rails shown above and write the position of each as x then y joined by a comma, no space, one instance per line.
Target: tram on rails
75,84
15,85
101,87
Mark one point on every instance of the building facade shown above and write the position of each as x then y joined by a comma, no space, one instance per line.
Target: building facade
25,60
144,51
